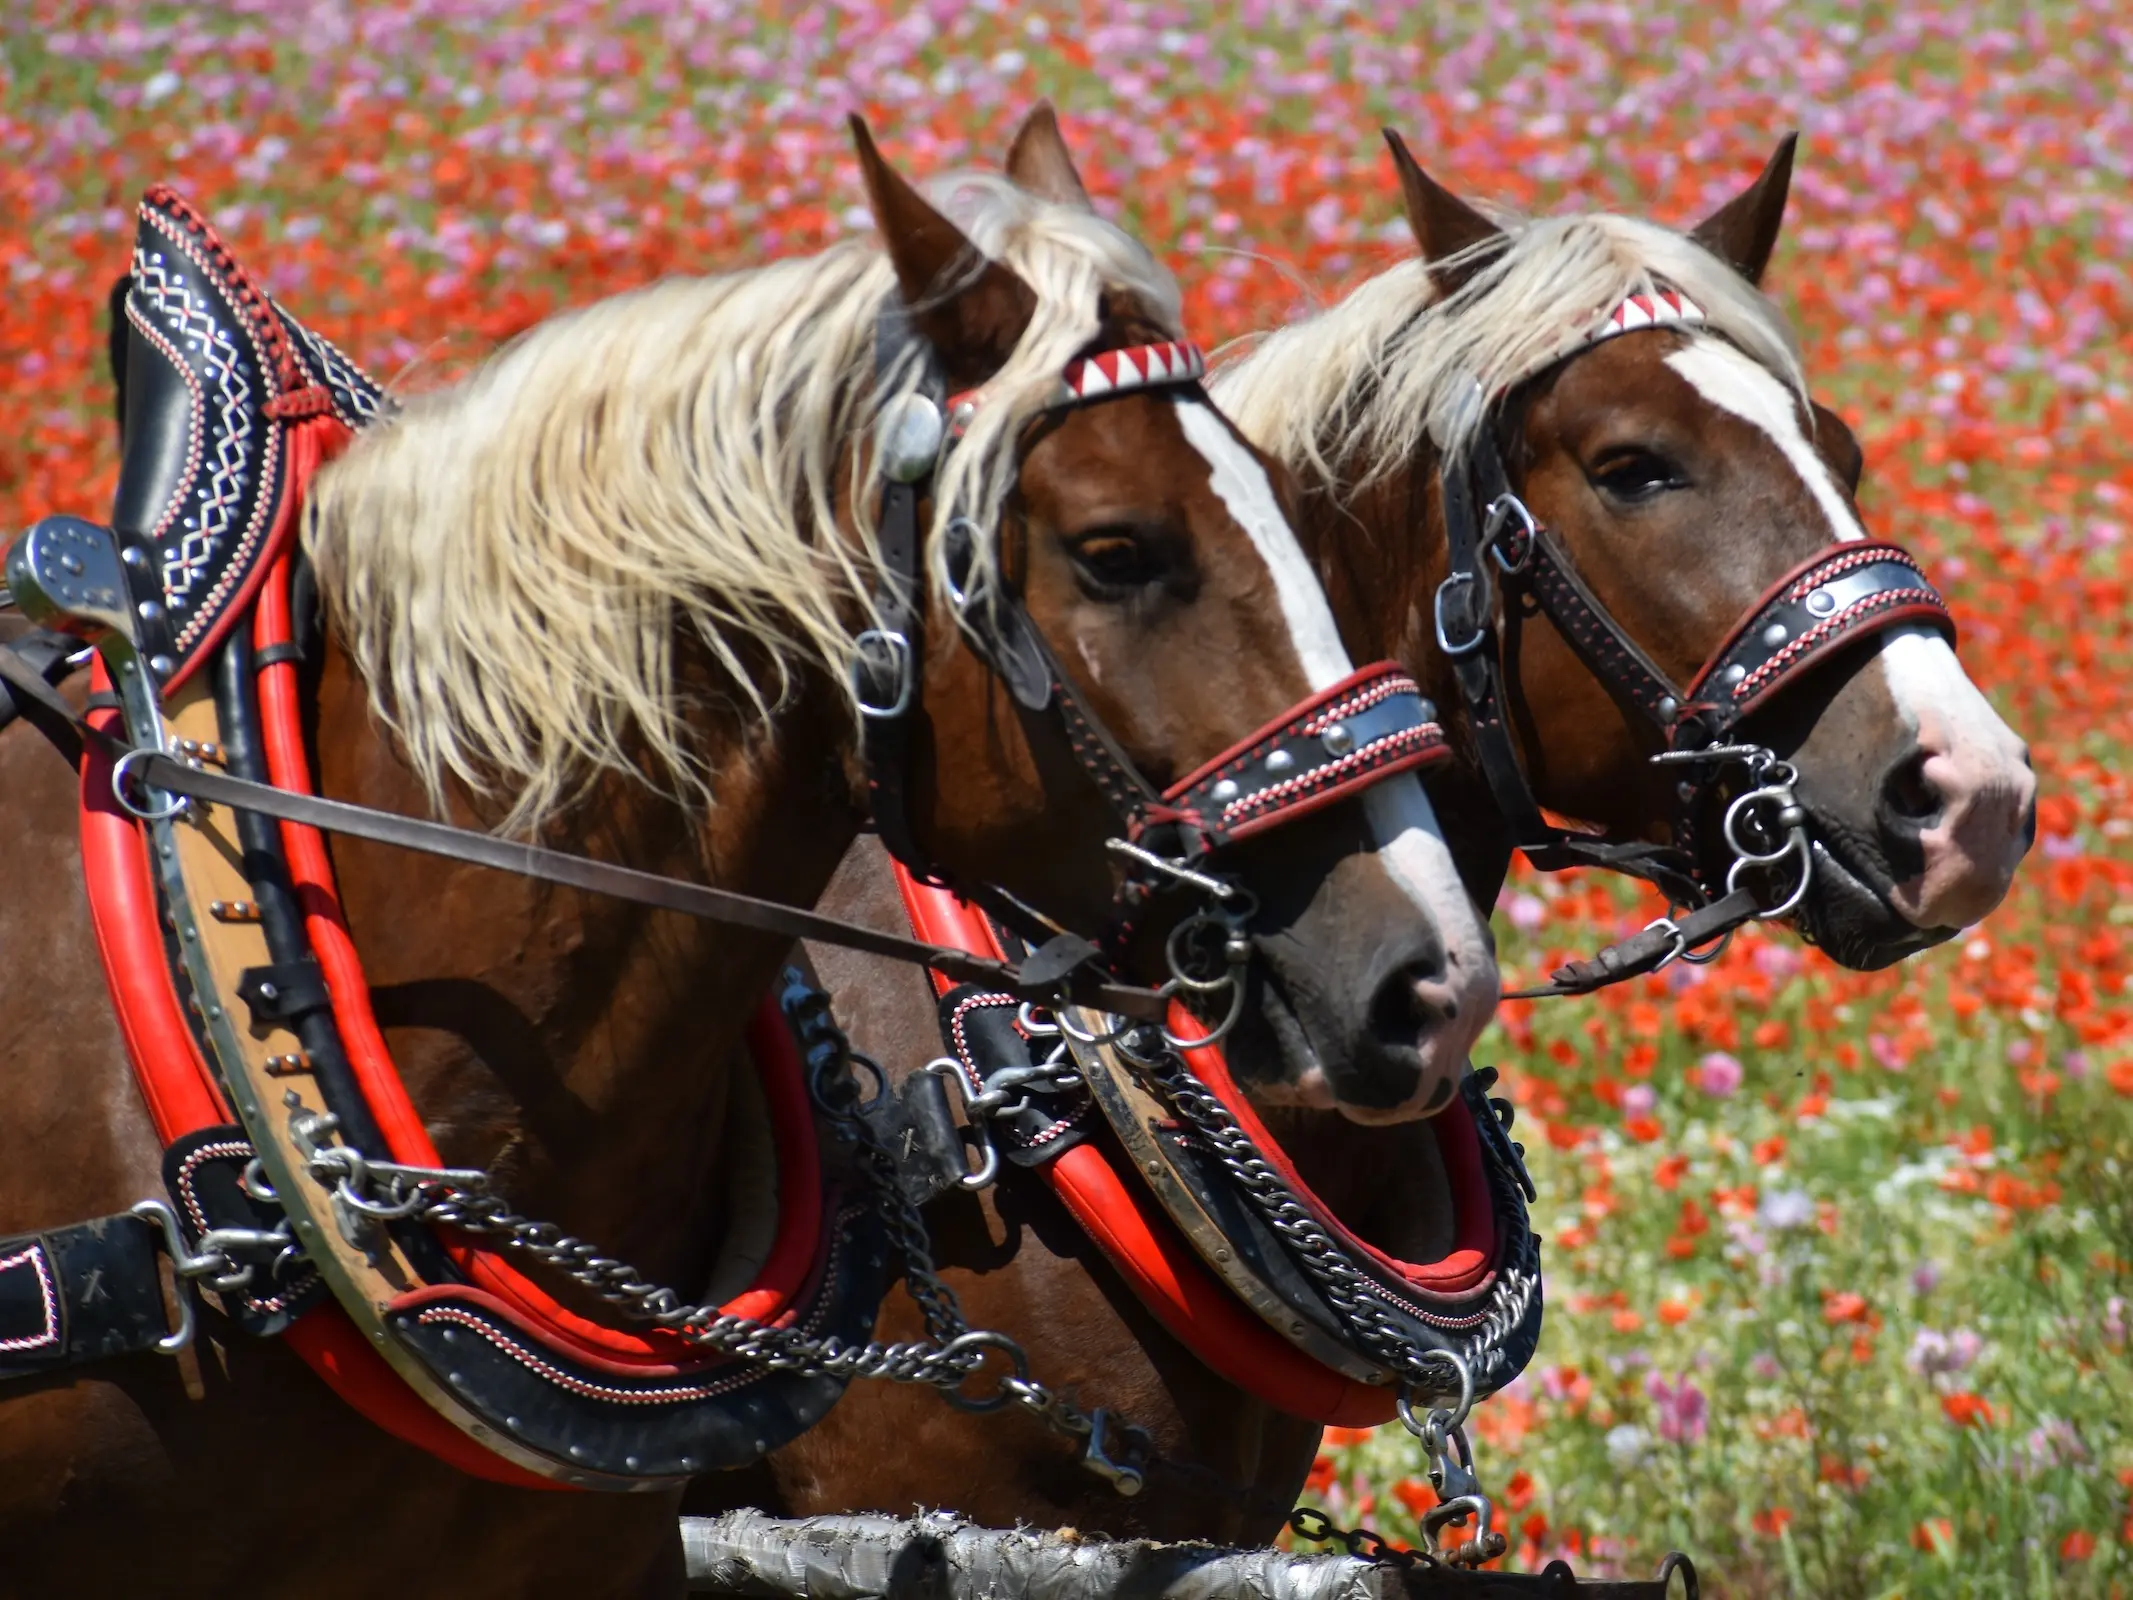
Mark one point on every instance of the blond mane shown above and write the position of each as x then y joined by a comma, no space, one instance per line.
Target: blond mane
511,560
1352,393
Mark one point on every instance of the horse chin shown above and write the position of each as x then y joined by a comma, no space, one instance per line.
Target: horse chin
1850,916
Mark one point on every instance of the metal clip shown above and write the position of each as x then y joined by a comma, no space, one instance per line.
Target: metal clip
988,1168
1122,1476
1504,510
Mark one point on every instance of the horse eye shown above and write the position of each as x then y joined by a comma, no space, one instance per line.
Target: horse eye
1636,474
1117,559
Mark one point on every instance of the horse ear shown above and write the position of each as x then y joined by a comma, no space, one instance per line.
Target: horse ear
1039,162
1839,446
1444,225
1744,230
970,308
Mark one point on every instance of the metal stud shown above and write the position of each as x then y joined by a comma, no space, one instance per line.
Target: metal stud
1669,708
162,666
150,610
1223,792
1735,673
908,435
1280,761
1336,738
1774,635
1428,708
1821,602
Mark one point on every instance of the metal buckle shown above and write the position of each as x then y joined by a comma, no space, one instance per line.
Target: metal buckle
1458,580
1681,941
187,1266
895,654
1505,509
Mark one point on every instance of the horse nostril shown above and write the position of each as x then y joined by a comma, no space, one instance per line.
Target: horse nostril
1909,796
1410,1003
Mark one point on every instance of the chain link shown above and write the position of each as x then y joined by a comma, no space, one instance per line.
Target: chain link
946,1359
1349,1293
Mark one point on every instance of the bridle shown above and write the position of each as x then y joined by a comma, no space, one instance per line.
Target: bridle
1839,595
1370,726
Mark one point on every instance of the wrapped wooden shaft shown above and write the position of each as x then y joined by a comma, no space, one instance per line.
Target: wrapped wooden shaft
745,1553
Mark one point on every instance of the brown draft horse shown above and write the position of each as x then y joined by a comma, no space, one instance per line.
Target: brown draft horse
1683,469
620,563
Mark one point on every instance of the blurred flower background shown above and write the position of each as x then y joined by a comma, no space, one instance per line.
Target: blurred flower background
1840,1266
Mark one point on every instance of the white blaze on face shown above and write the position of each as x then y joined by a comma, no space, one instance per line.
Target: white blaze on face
1971,754
1410,843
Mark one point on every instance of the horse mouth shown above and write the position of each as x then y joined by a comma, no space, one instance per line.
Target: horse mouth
1849,913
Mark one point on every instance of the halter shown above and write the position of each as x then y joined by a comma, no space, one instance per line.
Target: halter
1360,731
1850,591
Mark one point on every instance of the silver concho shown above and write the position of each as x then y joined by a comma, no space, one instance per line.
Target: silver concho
907,438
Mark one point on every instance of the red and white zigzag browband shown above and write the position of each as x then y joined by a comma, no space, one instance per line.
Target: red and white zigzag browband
1663,308
1140,366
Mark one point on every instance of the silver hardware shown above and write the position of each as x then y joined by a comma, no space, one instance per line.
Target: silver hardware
896,649
187,1265
949,1070
70,569
1505,509
1224,791
1775,635
1215,888
1337,739
907,438
162,666
173,806
150,610
1279,761
1466,647
1734,674
1821,602
1427,707
1681,943
1668,708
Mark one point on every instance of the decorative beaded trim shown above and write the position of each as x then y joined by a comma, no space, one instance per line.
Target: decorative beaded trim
33,1257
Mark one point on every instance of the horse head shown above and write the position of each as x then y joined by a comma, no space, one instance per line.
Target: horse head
1642,403
1149,545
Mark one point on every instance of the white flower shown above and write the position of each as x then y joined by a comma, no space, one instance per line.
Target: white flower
1627,1446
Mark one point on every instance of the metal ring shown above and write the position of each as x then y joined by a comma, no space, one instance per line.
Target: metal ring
983,1339
118,789
1404,1400
1125,1026
1797,842
1236,1013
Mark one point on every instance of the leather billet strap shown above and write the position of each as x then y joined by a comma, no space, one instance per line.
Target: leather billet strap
75,1295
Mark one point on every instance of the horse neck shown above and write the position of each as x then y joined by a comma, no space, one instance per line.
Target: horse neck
1381,552
583,1050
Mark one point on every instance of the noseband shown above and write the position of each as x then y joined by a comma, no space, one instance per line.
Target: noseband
1366,728
1836,597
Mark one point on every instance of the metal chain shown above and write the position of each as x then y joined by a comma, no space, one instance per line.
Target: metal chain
1350,1294
1366,1544
945,1360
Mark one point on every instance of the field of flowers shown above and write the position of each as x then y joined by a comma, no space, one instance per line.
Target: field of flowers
1841,1267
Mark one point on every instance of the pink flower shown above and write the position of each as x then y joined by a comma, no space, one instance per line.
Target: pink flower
1719,1074
1683,1412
